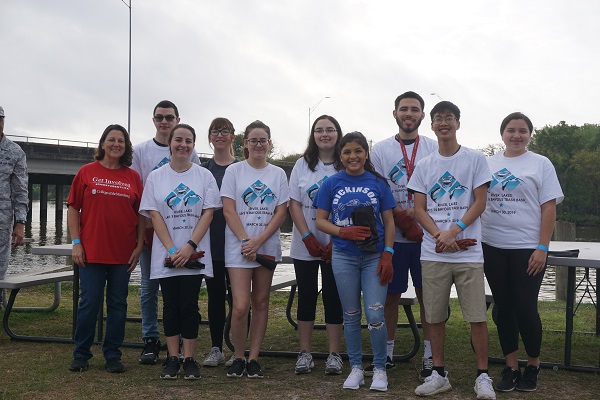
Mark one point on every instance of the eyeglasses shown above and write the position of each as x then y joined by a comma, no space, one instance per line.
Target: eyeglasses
254,142
447,119
169,118
223,132
320,131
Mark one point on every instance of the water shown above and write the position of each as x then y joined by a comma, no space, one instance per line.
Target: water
50,233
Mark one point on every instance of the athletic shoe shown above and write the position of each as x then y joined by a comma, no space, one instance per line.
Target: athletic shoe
380,382
528,382
150,352
434,384
237,368
355,379
253,370
171,368
427,367
79,365
229,362
190,369
114,365
333,366
389,364
484,388
304,363
508,380
214,358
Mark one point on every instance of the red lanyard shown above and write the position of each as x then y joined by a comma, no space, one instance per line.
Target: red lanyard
409,164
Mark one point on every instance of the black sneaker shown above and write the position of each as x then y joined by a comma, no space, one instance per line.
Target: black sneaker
528,382
508,379
79,365
237,368
114,365
253,370
427,367
150,352
389,364
171,368
190,369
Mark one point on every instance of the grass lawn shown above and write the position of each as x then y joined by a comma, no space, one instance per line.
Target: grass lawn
39,370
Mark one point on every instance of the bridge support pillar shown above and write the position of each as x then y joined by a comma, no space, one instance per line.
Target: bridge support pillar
43,202
30,196
59,201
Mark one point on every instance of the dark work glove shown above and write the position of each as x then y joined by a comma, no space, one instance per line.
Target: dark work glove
407,224
313,246
355,232
327,253
463,244
266,261
192,263
385,269
365,216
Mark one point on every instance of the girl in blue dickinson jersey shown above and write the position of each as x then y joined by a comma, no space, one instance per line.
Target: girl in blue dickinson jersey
360,203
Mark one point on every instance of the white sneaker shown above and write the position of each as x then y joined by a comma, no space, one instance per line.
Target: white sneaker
229,362
304,363
484,388
355,379
380,382
214,358
434,384
333,366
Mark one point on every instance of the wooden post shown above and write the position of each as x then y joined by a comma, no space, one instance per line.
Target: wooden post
563,231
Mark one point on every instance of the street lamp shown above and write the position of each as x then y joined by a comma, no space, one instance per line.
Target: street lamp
129,94
311,109
438,96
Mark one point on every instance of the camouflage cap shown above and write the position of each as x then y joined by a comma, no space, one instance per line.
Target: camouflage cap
1,111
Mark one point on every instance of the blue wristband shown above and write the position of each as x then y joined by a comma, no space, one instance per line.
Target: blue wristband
542,247
306,234
172,250
77,241
461,225
388,249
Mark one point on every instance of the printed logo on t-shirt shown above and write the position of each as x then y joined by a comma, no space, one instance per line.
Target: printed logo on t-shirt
258,191
184,194
341,207
447,184
161,163
506,179
398,171
313,189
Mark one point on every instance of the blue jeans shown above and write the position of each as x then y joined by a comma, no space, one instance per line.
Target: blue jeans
148,296
353,274
92,279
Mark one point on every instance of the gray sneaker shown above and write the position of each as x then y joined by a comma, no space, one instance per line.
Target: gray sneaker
304,363
214,358
434,384
333,366
229,362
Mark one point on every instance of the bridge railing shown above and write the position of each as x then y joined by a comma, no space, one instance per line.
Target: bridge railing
66,142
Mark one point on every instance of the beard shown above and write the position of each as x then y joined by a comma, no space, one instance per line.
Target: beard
407,129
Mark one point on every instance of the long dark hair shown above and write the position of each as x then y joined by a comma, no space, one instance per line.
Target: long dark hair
255,125
127,157
311,154
362,141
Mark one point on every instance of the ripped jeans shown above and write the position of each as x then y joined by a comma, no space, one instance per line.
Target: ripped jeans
353,274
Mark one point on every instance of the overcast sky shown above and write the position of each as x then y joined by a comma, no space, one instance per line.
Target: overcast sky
64,64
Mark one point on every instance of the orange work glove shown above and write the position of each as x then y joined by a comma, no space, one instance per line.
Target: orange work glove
463,244
327,253
385,269
355,232
412,230
313,246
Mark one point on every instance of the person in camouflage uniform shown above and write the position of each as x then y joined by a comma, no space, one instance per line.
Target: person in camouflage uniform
13,196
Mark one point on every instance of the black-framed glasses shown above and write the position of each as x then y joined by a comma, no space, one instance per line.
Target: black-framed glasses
223,132
320,131
447,119
169,118
254,142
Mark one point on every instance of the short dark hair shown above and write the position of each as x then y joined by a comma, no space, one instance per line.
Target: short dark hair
184,126
513,116
409,95
446,106
255,125
311,154
166,104
362,141
222,123
127,157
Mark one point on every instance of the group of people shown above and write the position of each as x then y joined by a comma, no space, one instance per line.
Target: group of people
364,218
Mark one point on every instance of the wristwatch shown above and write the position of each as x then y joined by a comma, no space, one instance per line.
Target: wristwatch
21,221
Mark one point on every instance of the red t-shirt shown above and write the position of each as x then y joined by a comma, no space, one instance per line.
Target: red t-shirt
108,201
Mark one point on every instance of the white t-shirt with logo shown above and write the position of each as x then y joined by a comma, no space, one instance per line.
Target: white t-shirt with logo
256,192
448,183
520,185
180,197
149,155
388,160
304,185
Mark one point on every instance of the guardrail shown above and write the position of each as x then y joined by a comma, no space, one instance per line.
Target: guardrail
34,139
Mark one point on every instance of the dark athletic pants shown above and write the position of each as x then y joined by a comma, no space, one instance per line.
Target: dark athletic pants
307,273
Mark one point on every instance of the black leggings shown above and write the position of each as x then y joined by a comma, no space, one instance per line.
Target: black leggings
515,296
307,274
217,292
180,305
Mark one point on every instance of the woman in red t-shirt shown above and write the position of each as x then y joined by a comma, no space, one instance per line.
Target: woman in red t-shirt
108,235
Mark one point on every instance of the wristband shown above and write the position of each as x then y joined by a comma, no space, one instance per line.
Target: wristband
542,247
77,241
172,250
461,225
388,249
306,234
191,243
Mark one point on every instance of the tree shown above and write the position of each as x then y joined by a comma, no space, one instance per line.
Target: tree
492,149
238,147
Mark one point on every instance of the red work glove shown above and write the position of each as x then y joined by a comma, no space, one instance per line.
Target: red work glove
313,246
385,269
355,232
463,244
412,230
327,253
